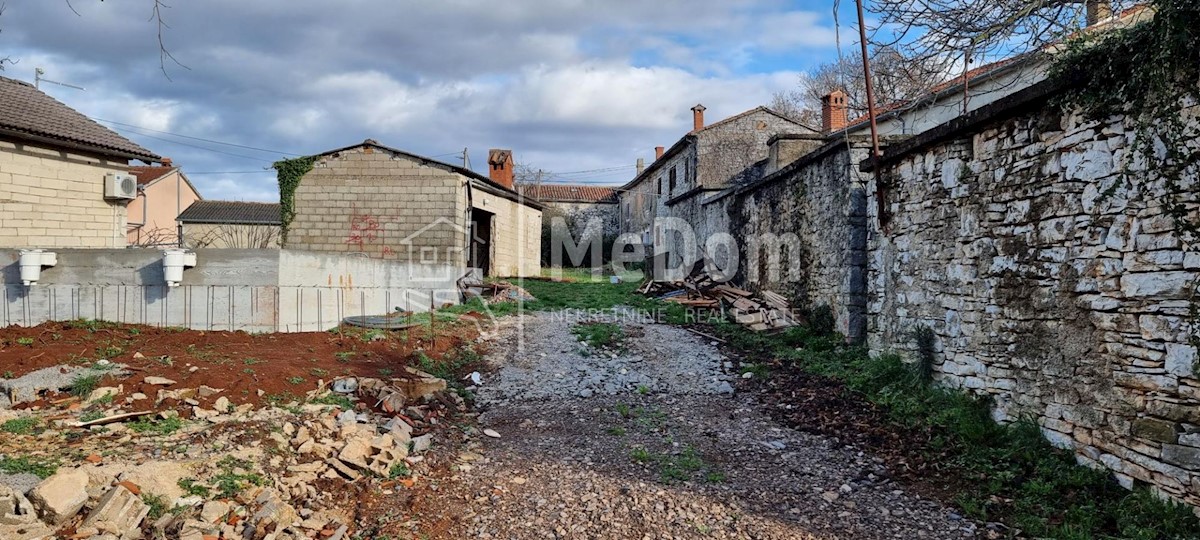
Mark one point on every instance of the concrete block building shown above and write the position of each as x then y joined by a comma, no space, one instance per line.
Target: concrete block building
54,163
387,203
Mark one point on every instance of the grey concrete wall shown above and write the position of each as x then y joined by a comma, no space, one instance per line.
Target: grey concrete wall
229,289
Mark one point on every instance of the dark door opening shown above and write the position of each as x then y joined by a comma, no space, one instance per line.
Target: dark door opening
480,255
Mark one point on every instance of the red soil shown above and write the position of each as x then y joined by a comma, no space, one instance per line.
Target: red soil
280,365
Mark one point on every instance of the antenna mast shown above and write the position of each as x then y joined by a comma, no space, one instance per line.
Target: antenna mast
38,80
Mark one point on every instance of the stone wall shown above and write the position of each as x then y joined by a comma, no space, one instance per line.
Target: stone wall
801,232
1052,284
55,198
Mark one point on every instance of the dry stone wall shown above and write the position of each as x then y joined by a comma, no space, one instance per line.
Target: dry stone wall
1054,284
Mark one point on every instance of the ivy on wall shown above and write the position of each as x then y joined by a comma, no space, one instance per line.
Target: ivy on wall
289,172
1150,73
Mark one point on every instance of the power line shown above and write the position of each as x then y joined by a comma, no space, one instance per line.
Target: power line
235,145
228,172
180,143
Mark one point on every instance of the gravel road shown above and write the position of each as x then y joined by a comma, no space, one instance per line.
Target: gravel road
647,441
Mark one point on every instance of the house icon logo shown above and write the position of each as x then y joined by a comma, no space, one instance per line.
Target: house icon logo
438,244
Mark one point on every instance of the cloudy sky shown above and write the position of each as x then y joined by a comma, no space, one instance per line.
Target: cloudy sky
569,85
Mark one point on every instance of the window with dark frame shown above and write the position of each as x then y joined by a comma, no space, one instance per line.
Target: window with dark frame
672,176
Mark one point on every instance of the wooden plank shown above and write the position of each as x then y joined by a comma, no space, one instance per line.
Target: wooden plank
112,419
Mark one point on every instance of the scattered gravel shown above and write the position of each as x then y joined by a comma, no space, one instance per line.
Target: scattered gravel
678,461
537,357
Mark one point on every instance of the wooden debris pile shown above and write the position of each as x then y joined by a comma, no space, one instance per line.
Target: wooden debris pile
766,311
500,291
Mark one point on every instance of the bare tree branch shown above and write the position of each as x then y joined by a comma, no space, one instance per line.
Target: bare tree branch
163,53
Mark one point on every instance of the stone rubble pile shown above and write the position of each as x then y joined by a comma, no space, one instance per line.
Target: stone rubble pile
281,479
765,312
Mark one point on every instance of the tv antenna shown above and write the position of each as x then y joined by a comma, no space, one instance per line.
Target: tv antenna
38,80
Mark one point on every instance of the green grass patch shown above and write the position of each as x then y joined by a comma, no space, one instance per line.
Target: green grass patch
165,426
599,334
42,468
678,467
83,385
193,487
235,476
336,400
91,325
20,426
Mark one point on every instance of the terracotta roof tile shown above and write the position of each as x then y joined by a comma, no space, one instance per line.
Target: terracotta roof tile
145,175
26,112
569,193
231,212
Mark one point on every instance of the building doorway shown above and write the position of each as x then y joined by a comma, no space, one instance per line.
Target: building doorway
480,254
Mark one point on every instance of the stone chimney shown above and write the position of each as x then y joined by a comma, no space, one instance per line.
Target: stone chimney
698,117
1098,10
166,162
833,112
641,166
658,152
500,167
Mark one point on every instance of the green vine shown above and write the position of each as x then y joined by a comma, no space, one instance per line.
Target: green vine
1150,73
289,173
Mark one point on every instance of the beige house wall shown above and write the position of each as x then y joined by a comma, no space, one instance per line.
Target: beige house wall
366,200
230,236
516,234
164,200
55,198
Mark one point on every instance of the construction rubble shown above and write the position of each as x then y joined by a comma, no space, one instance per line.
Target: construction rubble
766,311
279,472
470,286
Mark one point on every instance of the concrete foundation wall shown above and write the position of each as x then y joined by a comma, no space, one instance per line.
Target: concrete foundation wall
55,198
229,289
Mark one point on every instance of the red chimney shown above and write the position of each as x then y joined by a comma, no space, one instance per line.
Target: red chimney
698,117
658,152
500,167
833,111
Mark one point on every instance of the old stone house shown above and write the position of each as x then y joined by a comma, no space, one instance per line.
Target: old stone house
387,203
54,165
230,224
589,214
164,192
706,160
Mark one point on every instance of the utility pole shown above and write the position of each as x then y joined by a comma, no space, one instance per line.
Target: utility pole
466,159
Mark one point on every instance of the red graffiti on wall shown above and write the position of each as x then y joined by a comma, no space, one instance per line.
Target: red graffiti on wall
364,229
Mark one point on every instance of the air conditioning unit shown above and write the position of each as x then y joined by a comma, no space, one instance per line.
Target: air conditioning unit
120,186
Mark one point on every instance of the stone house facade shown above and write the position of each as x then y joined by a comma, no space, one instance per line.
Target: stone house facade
391,204
707,160
53,164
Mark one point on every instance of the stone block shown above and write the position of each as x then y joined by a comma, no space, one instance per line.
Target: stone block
1181,359
1156,430
1187,457
120,511
61,496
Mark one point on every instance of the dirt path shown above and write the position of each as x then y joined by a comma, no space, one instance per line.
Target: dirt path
646,441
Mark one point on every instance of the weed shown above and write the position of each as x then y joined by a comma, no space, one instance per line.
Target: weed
165,426
191,487
235,477
8,374
26,341
344,356
318,372
373,335
249,371
20,426
157,504
91,415
251,361
759,371
599,334
624,411
643,390
385,372
83,385
399,470
335,399
678,467
295,380
18,465
106,399
109,352
91,325
617,431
